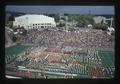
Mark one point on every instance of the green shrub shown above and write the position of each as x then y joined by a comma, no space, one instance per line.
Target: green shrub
100,26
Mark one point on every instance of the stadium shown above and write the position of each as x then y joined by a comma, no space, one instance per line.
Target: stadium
54,54
59,42
34,21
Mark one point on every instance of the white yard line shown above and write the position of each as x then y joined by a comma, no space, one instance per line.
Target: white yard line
46,56
13,77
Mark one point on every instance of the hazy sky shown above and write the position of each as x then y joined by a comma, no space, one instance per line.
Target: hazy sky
62,9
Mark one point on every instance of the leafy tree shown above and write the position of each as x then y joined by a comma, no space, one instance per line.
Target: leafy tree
61,24
14,39
63,18
10,24
100,26
66,14
83,20
69,18
51,15
108,22
11,18
57,18
102,22
113,24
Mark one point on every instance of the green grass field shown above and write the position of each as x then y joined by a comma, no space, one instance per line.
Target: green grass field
107,58
16,49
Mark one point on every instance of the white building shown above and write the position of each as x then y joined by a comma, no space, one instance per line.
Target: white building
99,19
34,22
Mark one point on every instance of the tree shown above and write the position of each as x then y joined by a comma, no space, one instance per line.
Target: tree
57,18
69,18
66,14
102,22
24,32
14,39
100,26
113,24
61,24
51,15
83,20
63,18
11,18
10,24
108,22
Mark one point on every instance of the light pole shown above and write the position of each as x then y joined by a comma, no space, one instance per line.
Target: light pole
66,27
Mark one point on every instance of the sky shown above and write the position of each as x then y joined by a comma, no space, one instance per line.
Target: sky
62,9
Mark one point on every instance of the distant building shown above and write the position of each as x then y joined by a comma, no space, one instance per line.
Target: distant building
34,22
99,19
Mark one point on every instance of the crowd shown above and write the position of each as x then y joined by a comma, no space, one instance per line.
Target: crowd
8,39
96,72
80,39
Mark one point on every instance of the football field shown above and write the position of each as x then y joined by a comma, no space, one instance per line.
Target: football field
15,50
80,62
107,58
11,53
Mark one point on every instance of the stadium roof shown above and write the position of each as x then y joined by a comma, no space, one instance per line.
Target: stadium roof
34,18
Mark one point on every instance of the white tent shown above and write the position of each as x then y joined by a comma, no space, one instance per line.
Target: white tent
110,28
